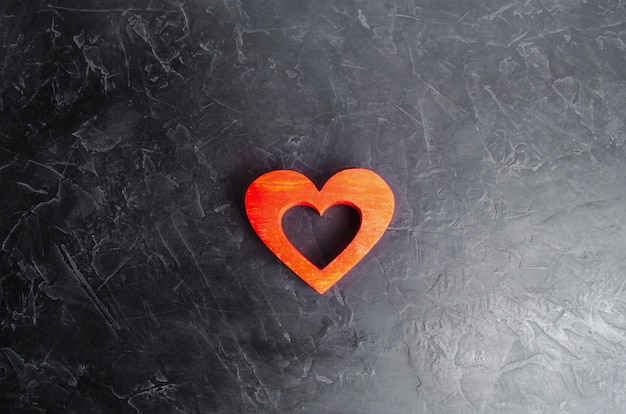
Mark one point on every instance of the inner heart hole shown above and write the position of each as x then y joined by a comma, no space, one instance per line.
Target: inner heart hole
321,238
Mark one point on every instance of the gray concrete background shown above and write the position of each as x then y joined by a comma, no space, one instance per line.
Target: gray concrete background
131,281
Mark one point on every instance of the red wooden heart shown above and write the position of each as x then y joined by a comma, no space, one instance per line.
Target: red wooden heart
275,192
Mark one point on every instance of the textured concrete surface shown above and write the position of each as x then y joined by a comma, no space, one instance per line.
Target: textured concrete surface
131,281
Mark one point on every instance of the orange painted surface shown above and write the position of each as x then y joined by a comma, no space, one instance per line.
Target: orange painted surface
275,192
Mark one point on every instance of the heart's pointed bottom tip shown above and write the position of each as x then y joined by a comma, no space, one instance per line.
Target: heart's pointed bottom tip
321,291
322,288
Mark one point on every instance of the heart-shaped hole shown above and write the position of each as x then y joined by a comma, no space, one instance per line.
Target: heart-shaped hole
321,238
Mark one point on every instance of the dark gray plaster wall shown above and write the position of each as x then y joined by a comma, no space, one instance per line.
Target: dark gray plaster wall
131,281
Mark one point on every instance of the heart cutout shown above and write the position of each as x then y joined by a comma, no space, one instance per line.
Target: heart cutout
273,193
321,238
